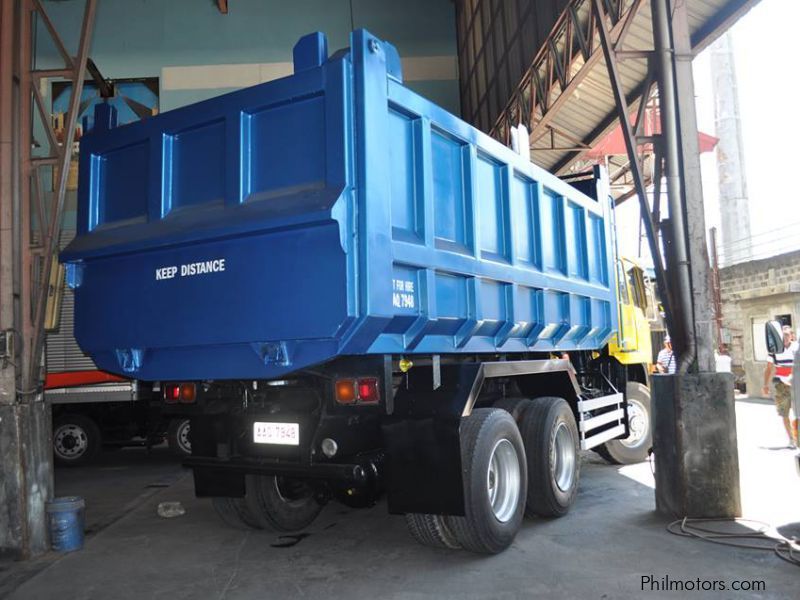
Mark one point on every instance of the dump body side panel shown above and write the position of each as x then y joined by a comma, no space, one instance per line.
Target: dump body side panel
475,249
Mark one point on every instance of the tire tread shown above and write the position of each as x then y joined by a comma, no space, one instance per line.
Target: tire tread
266,507
473,532
431,530
535,428
234,513
515,406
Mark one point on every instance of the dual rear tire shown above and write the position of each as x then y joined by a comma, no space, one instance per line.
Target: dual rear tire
272,503
519,458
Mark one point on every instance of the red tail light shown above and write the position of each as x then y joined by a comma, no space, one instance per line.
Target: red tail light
361,391
172,393
368,390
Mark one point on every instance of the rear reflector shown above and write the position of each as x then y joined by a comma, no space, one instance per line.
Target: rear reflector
188,393
346,391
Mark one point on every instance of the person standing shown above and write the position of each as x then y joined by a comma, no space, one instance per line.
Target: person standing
722,360
779,372
666,361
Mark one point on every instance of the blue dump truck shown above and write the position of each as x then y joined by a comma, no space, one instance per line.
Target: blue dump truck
367,297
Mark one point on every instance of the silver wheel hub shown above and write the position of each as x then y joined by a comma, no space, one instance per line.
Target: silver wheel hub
183,436
503,480
564,458
638,424
70,441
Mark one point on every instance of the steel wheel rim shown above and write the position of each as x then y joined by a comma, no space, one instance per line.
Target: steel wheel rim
564,458
70,441
183,436
638,424
503,481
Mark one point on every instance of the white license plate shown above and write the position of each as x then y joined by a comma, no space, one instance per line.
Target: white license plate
284,434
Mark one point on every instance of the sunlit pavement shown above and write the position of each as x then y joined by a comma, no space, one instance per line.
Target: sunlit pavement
771,485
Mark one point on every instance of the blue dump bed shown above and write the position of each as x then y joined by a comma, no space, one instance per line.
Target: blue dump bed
333,212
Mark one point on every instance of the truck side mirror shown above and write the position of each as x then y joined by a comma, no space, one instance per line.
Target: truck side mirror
774,332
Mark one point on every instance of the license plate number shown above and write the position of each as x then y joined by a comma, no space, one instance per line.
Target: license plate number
284,434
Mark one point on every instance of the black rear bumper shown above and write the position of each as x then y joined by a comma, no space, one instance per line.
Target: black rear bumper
349,473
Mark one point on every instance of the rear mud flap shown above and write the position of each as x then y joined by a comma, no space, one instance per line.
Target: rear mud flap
423,445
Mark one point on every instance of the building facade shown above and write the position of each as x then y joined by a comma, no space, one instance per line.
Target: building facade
753,293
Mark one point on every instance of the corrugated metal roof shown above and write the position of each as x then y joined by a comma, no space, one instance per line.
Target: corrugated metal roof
588,112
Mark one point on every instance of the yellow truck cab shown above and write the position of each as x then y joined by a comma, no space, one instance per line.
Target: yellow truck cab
632,348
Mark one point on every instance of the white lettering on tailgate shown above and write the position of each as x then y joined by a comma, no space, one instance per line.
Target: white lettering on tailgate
216,265
403,293
166,272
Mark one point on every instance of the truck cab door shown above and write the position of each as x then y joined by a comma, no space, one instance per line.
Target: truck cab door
633,343
627,337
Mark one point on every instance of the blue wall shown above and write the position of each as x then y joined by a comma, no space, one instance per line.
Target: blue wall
136,38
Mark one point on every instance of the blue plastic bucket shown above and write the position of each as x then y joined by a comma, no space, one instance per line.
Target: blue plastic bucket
65,522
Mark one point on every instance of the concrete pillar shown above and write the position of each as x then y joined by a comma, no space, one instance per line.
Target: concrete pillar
25,477
694,443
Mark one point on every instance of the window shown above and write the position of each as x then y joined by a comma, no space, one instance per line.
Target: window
622,284
637,287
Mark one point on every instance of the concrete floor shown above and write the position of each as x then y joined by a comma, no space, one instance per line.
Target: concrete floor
118,482
600,550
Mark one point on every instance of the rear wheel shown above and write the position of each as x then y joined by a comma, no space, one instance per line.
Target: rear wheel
551,447
234,513
495,479
281,503
635,447
76,440
178,437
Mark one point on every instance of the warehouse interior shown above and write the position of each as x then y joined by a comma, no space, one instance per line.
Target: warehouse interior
588,91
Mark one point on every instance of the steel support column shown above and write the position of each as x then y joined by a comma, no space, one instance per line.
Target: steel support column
683,336
25,264
695,221
628,133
